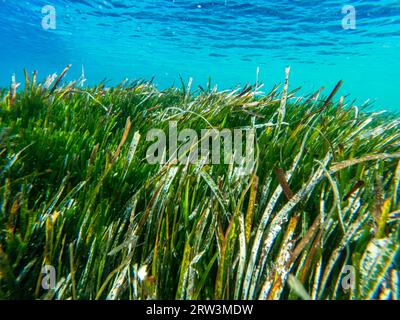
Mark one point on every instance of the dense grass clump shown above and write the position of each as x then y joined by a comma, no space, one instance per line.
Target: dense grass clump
318,217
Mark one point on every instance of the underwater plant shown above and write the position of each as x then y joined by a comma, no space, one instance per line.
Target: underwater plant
316,218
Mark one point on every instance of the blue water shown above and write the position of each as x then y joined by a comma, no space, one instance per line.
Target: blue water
224,39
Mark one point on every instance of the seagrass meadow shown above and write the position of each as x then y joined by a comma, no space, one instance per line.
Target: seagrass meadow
317,218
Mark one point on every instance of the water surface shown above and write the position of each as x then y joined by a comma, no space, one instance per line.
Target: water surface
224,39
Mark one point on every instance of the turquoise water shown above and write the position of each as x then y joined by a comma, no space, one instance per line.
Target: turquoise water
224,39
